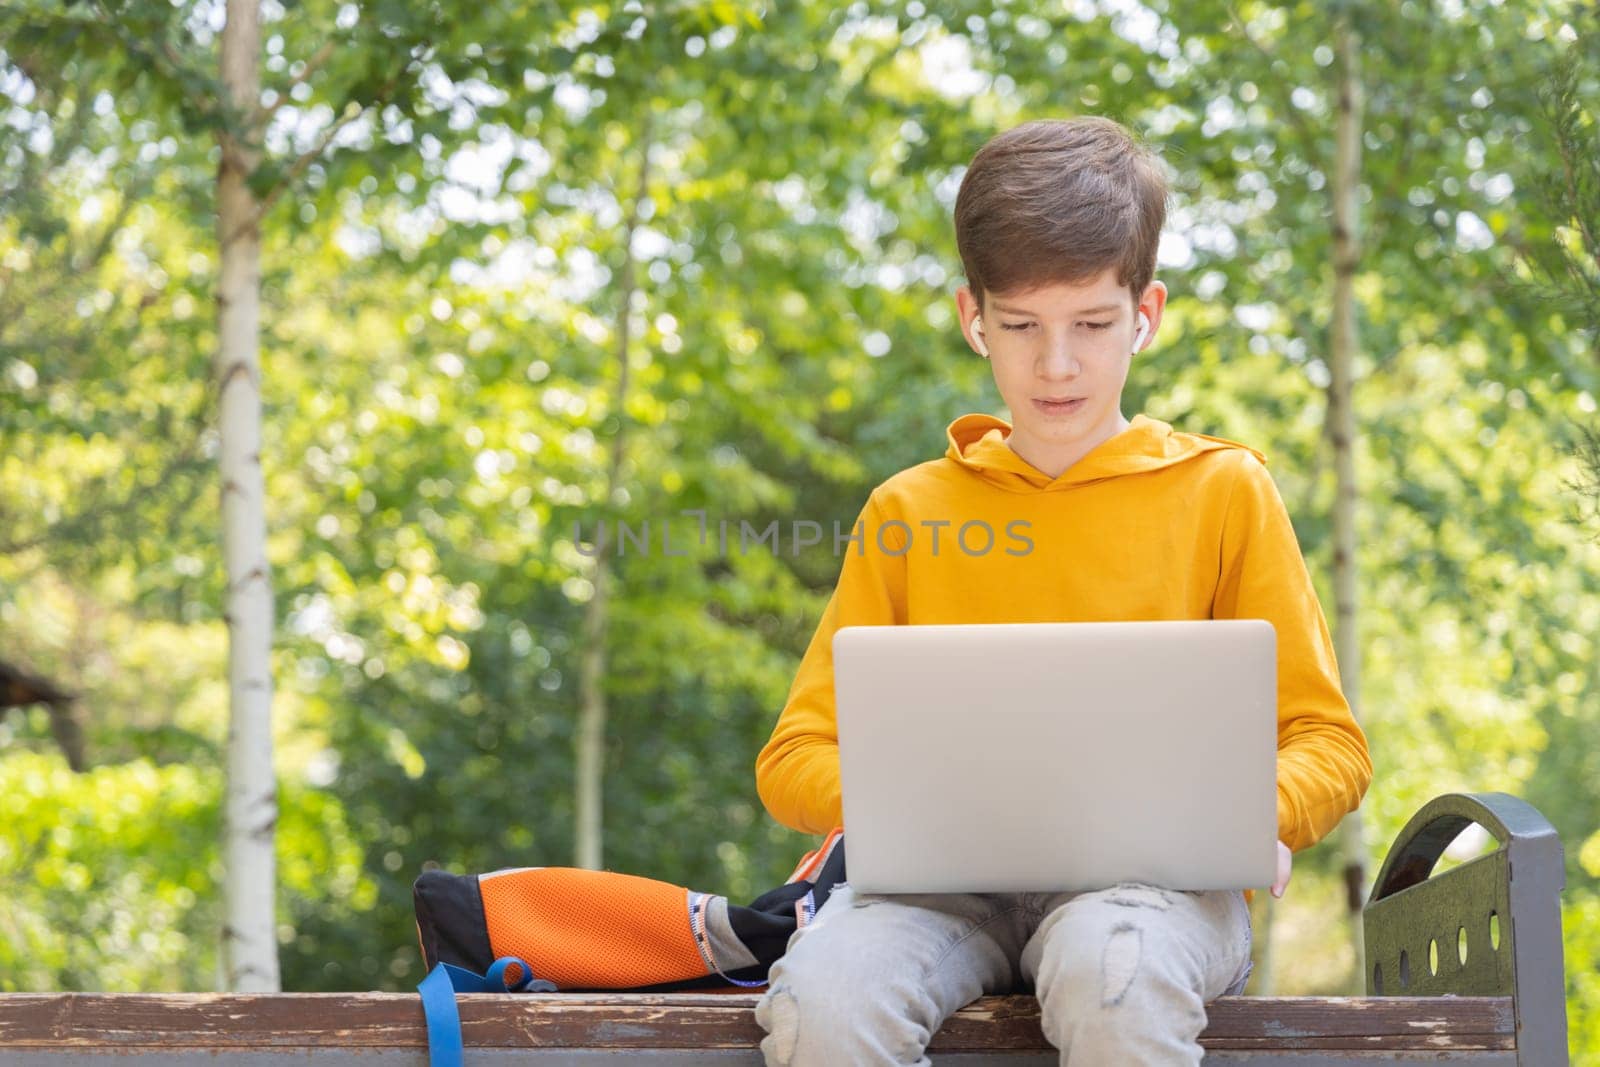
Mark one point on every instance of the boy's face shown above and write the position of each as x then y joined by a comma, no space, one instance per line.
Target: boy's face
1060,356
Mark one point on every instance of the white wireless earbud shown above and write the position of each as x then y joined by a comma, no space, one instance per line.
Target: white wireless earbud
1144,329
977,334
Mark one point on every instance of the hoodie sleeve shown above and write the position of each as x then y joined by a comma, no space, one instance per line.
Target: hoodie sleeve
797,772
1323,765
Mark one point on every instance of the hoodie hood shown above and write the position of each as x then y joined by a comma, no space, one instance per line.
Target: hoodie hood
978,443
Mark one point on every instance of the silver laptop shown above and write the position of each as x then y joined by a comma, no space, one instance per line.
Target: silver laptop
1012,757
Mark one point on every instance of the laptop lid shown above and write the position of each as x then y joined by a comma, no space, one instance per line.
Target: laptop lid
1011,757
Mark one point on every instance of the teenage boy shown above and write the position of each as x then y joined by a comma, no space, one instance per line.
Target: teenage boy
1057,224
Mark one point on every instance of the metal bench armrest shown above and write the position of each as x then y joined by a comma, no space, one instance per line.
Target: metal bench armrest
1501,911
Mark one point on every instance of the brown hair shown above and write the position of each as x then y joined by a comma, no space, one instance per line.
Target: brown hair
1058,201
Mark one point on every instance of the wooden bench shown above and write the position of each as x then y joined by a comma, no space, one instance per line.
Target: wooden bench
1503,1006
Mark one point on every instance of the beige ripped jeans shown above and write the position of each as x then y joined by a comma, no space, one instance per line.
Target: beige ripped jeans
1123,975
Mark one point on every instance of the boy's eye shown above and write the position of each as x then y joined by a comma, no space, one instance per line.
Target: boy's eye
1029,325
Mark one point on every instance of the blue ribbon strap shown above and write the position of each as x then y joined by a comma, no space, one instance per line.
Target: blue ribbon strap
444,1021
439,991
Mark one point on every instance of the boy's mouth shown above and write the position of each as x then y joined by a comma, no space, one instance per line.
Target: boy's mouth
1063,406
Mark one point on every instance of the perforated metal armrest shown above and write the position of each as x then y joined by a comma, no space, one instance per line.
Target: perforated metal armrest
1505,907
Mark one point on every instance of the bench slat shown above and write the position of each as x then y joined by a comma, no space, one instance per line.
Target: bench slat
690,1021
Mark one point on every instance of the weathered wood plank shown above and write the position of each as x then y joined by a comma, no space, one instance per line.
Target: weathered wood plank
416,1057
129,1021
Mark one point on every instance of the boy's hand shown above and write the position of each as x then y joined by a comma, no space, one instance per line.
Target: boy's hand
1285,864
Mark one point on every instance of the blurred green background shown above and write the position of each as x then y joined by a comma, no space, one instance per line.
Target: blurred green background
455,202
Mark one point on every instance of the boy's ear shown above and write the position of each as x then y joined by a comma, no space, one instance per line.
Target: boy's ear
1155,299
966,301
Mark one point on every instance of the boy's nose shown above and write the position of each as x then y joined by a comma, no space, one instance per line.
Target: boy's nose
1058,363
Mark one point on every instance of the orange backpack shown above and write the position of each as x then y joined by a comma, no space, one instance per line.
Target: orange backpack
577,929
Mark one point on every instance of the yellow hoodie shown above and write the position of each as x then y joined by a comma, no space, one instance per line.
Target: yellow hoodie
1150,524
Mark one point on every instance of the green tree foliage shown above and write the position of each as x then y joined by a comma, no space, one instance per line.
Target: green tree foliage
440,302
103,328
109,877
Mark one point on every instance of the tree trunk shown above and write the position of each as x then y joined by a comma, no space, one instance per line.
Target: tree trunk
590,744
1341,417
249,936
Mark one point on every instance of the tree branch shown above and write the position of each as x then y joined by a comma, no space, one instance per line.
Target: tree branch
263,112
163,54
1567,132
305,159
1307,135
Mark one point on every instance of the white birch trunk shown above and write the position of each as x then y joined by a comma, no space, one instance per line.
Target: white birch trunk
590,743
249,936
1342,421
